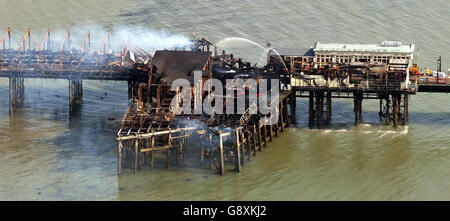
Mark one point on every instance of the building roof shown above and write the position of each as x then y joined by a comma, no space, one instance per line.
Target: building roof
385,46
292,51
172,65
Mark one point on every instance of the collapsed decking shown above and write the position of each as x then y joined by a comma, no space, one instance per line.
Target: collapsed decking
152,135
212,146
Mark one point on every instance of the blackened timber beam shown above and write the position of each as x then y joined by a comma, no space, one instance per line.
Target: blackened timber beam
238,151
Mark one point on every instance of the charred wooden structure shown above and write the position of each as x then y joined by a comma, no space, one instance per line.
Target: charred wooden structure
66,60
152,135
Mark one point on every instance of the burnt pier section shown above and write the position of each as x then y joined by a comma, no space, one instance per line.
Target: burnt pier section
68,60
152,136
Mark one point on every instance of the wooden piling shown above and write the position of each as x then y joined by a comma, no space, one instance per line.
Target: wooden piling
255,135
202,150
119,161
396,108
387,115
222,162
405,109
281,116
151,152
168,149
259,136
245,147
329,108
238,151
286,113
311,109
271,132
136,151
264,134
292,100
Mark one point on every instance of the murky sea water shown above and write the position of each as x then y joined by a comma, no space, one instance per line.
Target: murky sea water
45,155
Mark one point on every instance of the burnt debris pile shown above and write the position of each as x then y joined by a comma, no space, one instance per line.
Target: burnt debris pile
170,124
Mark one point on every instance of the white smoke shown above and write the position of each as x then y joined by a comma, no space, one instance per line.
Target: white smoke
145,38
152,40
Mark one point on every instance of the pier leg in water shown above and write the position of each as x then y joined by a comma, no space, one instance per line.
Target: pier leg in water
388,115
16,93
264,131
75,95
281,106
328,107
396,108
119,164
255,135
271,133
405,109
238,151
293,103
287,119
319,107
311,109
357,103
151,152
222,163
202,150
168,150
136,156
259,136
380,113
244,146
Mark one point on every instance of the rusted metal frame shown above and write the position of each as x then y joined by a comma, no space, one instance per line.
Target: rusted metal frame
44,41
7,34
22,42
63,42
107,38
87,39
124,47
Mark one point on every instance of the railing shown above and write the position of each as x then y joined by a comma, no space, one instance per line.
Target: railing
253,108
365,86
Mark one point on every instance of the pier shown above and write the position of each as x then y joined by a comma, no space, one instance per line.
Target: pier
156,134
65,60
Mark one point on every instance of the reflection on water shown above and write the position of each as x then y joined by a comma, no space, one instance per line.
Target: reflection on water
45,155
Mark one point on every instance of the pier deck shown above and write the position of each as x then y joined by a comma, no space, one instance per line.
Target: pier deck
151,133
